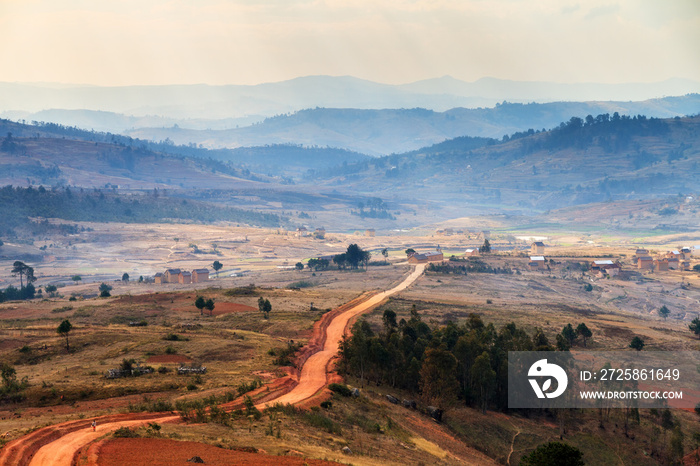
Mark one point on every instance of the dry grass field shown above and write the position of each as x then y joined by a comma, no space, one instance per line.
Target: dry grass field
236,343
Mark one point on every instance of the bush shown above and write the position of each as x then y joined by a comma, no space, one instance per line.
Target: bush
125,432
284,355
326,405
62,309
175,337
340,389
322,422
300,284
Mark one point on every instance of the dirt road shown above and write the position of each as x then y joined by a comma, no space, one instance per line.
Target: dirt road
62,450
49,446
314,372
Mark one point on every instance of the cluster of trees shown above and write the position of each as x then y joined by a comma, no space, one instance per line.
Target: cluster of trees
569,336
375,209
317,264
613,133
472,265
26,280
201,304
20,204
265,307
352,257
466,362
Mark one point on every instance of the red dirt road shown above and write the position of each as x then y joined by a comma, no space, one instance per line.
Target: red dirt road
314,373
57,445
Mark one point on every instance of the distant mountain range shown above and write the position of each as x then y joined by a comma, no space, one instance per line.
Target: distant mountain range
338,112
200,101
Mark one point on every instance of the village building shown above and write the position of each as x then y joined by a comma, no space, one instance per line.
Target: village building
158,279
696,250
537,247
605,267
645,263
171,276
674,255
641,253
684,265
673,263
185,278
686,253
302,232
424,257
320,233
370,232
200,275
661,265
537,263
471,252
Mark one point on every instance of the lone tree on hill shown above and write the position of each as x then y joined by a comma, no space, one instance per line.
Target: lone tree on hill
64,329
486,247
410,251
664,312
299,266
76,278
199,304
209,305
584,331
104,290
637,343
695,326
217,266
125,277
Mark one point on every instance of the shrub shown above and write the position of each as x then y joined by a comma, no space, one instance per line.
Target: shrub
340,389
320,421
125,432
300,284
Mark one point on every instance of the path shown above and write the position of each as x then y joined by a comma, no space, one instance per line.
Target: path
314,372
51,447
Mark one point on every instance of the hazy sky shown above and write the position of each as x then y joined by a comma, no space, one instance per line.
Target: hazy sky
128,42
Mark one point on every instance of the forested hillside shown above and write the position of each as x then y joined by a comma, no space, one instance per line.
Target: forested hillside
583,160
25,210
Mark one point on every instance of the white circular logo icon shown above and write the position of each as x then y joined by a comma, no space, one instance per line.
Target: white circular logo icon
543,370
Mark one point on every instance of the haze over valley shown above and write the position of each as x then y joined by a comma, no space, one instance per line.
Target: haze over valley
300,232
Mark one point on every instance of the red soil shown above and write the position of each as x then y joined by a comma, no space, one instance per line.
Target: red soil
165,358
162,452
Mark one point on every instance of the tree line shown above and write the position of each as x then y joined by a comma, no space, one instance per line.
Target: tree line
19,204
467,362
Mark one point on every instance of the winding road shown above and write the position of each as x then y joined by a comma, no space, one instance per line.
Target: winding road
57,445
